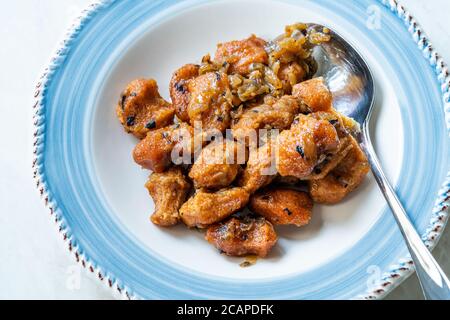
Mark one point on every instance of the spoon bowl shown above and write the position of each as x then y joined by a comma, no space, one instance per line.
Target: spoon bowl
351,82
347,76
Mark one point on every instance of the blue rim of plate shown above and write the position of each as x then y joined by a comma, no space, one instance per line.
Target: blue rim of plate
394,273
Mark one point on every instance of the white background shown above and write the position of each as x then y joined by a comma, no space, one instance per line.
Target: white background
34,261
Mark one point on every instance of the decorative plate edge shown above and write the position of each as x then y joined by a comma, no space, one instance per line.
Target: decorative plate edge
389,280
405,267
44,80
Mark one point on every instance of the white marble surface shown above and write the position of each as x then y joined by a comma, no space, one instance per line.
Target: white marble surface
34,262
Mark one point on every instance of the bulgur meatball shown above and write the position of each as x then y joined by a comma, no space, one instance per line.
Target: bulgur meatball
241,237
343,179
260,169
315,94
279,115
142,109
179,92
211,101
301,147
282,206
169,191
206,208
329,161
154,152
217,165
240,54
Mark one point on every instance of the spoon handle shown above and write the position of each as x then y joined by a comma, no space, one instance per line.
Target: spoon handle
435,284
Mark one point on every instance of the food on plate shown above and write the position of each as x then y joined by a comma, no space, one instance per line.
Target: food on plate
279,115
179,89
302,148
169,191
241,237
343,179
206,208
249,141
154,152
241,54
141,108
210,101
217,166
282,206
260,169
314,93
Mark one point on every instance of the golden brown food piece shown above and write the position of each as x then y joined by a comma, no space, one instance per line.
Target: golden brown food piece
290,74
240,237
283,206
240,54
205,208
329,161
260,170
210,101
343,124
154,152
334,118
142,109
280,115
301,148
344,127
315,94
343,179
217,165
169,191
179,92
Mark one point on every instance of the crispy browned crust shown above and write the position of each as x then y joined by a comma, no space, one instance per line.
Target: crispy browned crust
237,237
315,94
142,109
240,54
301,147
206,208
282,206
210,101
179,89
342,180
169,191
154,152
217,165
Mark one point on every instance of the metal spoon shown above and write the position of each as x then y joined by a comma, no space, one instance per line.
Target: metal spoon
351,82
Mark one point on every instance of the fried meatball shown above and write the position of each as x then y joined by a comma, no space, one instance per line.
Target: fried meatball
169,191
240,54
154,152
280,115
301,147
282,206
141,108
290,74
343,179
260,169
179,89
315,94
210,102
236,237
329,161
206,208
217,165
344,127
